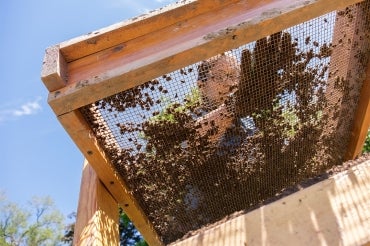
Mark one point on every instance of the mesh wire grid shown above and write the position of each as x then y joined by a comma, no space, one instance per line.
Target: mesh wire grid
229,132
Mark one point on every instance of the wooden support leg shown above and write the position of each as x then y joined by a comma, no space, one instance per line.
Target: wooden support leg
97,214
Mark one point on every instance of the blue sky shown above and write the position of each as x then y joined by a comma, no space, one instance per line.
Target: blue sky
37,155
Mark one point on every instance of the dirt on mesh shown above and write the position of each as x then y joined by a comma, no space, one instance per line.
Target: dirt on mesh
205,156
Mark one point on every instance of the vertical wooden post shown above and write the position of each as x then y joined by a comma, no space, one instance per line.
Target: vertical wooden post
97,214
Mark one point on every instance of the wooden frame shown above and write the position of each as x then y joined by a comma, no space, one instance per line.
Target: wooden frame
91,67
122,66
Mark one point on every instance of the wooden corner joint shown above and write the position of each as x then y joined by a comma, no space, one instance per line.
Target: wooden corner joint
54,71
99,165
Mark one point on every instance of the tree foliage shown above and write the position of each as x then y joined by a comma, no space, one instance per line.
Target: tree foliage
39,223
128,234
366,147
69,229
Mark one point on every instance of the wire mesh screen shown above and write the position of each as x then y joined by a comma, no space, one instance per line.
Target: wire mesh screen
229,132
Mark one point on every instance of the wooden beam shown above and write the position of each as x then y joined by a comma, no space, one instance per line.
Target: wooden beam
84,138
135,27
153,54
97,215
54,69
361,121
335,211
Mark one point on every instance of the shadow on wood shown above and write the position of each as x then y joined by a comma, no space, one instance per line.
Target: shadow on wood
97,215
335,211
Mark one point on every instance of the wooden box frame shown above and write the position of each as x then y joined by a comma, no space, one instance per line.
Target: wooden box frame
102,63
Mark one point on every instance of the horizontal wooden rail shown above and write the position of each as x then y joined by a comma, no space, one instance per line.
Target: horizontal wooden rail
135,27
150,55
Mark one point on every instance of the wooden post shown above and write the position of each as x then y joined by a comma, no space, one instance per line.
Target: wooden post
83,137
97,214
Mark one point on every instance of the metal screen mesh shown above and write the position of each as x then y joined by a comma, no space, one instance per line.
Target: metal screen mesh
227,133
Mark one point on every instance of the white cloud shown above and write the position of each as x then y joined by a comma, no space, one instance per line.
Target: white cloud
28,108
10,112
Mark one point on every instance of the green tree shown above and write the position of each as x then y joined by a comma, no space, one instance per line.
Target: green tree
366,148
69,229
128,235
40,223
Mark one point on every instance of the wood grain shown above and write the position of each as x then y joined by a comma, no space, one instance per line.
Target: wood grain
97,214
85,140
135,27
54,69
335,211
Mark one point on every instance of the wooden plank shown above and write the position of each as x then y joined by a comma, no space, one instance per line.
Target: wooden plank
135,27
84,138
97,215
124,66
361,121
54,69
335,211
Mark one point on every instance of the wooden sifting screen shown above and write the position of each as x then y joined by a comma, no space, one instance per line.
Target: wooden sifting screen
218,118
